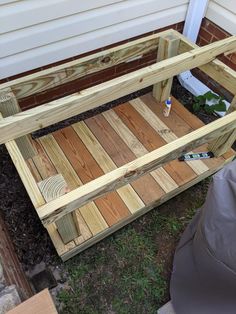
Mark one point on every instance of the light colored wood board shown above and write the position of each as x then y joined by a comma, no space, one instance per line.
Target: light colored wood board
110,206
127,193
33,169
146,187
160,175
158,124
40,303
8,107
94,219
139,213
217,70
60,247
62,166
66,107
222,144
131,171
192,121
42,161
168,47
25,174
54,187
61,74
151,140
84,230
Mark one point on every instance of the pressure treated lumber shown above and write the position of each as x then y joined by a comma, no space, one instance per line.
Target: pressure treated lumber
168,47
52,188
217,70
140,213
67,72
44,115
24,173
8,107
131,171
222,144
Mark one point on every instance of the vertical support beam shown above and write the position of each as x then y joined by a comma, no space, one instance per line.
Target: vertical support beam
8,107
52,188
222,144
168,47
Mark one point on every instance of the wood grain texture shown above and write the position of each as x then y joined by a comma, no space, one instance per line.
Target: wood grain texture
152,140
131,171
93,217
127,193
111,206
8,107
158,124
40,303
146,187
160,175
66,107
138,214
168,47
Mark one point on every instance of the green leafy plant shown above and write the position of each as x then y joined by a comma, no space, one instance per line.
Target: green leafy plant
209,102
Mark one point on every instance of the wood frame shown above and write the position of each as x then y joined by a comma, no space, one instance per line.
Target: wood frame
23,123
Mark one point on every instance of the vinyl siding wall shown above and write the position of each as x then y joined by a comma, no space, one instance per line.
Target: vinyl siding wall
223,13
36,33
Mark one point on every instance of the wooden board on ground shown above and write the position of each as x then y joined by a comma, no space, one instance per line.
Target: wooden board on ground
41,303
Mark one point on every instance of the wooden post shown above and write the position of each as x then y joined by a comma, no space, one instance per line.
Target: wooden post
168,47
222,144
8,107
52,188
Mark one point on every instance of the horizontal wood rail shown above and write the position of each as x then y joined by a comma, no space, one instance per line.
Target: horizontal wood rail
58,110
65,204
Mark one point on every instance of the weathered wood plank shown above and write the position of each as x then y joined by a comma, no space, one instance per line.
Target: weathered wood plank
8,107
146,187
168,47
131,171
111,206
44,115
159,175
127,193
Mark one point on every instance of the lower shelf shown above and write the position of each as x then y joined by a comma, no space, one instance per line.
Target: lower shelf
88,149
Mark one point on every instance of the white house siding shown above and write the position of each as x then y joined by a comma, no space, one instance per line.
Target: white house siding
223,13
36,33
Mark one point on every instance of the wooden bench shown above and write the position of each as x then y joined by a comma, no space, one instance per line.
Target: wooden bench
91,178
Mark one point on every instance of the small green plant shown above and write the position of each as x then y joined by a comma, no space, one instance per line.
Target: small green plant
209,102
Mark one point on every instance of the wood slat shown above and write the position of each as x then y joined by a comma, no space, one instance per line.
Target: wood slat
160,175
135,169
89,212
146,187
158,124
151,140
111,206
66,107
127,193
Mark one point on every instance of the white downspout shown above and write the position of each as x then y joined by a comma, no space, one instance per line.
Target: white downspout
195,14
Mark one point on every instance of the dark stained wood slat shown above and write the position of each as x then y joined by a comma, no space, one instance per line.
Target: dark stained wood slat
180,172
146,187
111,206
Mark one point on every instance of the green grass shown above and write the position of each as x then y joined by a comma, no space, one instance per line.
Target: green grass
129,271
